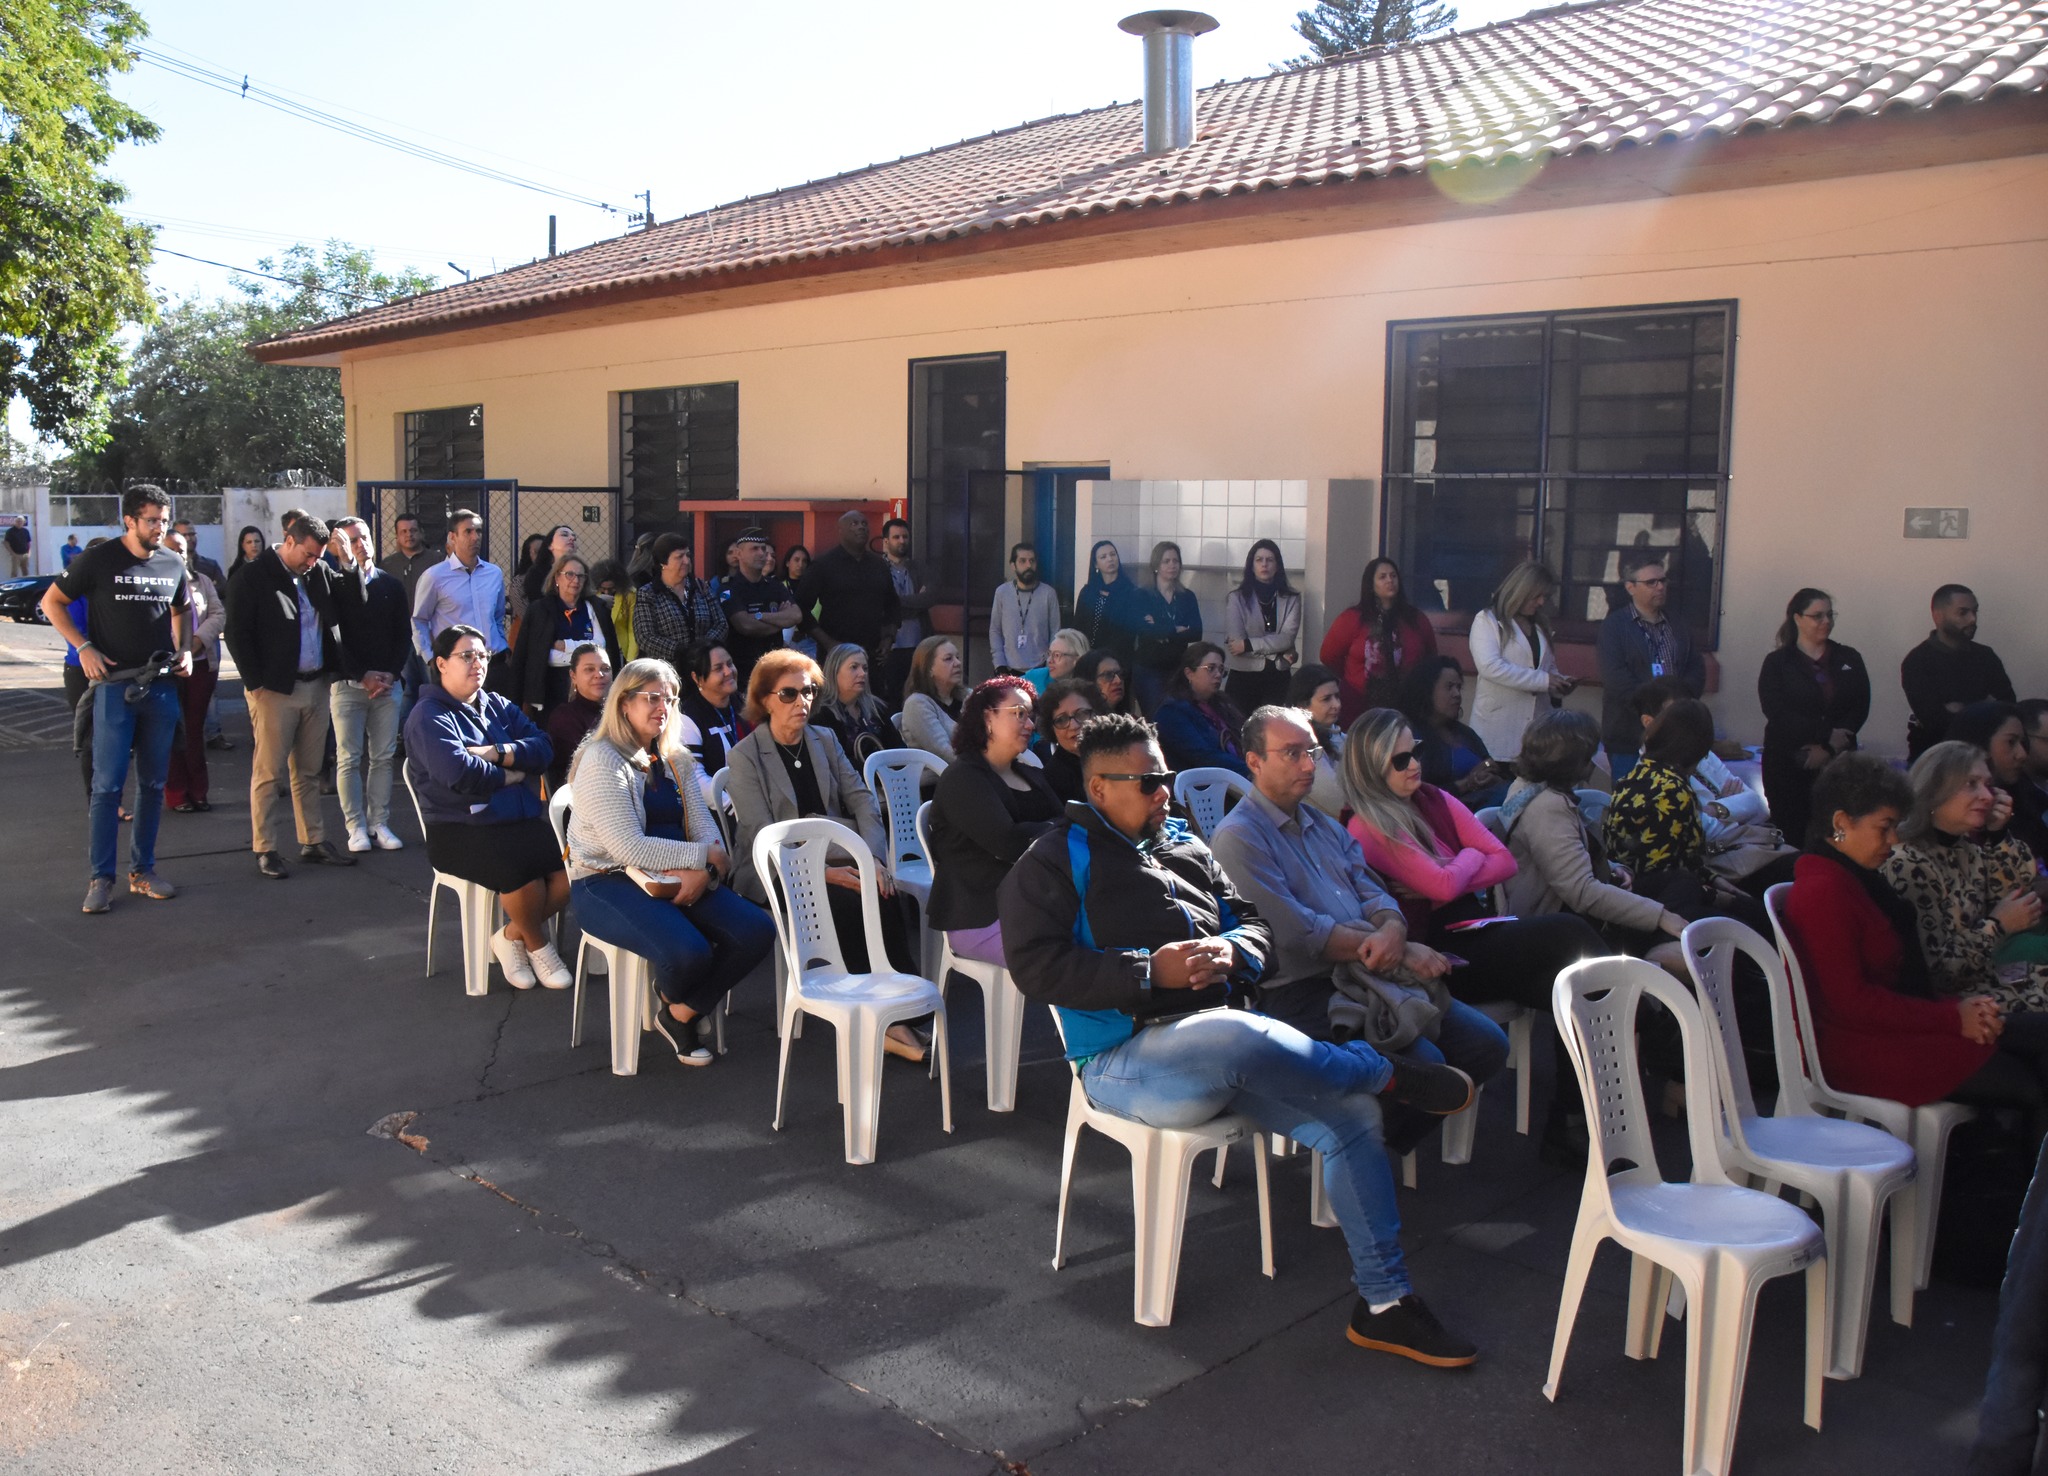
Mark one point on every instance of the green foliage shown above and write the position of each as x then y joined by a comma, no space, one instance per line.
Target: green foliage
71,267
199,411
1335,27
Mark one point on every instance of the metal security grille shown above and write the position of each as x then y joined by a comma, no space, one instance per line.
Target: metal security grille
592,513
445,445
381,504
677,445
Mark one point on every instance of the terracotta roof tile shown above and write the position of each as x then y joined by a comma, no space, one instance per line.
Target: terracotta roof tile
1570,80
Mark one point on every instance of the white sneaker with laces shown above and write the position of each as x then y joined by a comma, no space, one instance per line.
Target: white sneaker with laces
512,958
554,974
359,840
384,840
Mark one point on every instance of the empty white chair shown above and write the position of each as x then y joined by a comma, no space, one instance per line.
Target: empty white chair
1002,1003
1719,1241
896,776
1162,1160
479,909
1803,1091
859,1007
1850,1169
1206,794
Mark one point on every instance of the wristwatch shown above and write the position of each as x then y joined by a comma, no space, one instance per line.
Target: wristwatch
504,757
1142,957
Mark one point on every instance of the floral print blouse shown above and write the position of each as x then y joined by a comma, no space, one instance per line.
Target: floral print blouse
1953,885
1653,823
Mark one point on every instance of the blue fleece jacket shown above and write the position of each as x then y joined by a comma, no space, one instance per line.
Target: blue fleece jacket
455,786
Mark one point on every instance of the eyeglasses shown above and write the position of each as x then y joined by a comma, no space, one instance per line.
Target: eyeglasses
568,576
473,658
788,695
1657,583
1401,762
1294,753
1825,616
1109,674
1148,784
1024,711
655,699
1072,719
1211,668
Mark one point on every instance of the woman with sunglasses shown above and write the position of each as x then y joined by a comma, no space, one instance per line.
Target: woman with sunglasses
1112,681
1066,705
849,711
1442,864
468,754
1198,726
562,615
786,769
635,803
987,809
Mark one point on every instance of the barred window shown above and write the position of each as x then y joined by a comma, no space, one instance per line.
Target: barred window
445,445
677,445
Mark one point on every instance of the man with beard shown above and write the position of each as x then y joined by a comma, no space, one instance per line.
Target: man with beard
1025,615
1948,671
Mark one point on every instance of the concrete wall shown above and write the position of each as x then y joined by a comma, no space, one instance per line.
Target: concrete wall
1893,341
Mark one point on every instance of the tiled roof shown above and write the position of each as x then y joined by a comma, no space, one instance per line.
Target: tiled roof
1575,79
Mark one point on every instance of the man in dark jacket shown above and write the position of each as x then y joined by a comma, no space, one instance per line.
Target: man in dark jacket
284,632
376,639
855,596
1125,924
1948,671
1638,644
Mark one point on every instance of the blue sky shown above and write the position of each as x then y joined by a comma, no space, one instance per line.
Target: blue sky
697,102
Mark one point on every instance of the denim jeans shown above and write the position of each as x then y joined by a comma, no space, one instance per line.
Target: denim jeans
698,952
2009,1425
120,727
365,737
1182,1073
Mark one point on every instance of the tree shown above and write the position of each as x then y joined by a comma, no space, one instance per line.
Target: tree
199,410
71,266
1335,27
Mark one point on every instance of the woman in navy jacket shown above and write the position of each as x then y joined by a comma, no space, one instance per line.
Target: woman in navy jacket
1198,727
1816,696
468,753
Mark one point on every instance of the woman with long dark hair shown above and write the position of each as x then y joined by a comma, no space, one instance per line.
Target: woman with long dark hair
1371,644
1454,757
1106,609
1199,727
1815,695
1314,691
1169,617
249,546
1111,679
1261,630
709,716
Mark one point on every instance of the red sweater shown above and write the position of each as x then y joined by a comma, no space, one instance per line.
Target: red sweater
1349,650
1874,1040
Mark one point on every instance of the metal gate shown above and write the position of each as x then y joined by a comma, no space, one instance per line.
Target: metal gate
508,510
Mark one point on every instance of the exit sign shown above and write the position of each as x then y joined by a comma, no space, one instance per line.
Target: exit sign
1937,522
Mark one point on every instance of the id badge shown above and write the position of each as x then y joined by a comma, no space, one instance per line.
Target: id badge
1656,668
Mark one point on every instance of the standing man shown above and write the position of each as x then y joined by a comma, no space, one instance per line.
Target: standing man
412,560
376,639
194,559
1948,671
759,608
1637,645
19,542
209,654
463,589
854,595
1023,618
913,597
70,550
675,610
186,783
284,633
138,604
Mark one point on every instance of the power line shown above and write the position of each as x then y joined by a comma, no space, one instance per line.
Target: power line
258,236
273,276
224,82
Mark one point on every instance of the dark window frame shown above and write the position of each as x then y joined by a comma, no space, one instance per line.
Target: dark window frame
415,428
657,507
922,501
1554,490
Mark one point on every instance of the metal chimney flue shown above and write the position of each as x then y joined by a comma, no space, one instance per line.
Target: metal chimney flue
1169,37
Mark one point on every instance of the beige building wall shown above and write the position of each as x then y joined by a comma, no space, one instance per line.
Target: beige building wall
1892,352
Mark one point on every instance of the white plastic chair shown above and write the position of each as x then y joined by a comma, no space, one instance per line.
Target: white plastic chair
478,905
1850,1169
1460,1130
718,797
1162,1161
1002,1003
859,1007
1206,794
896,776
1803,1091
1719,1241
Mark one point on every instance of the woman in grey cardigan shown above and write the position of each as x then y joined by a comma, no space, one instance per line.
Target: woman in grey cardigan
635,803
1560,864
1261,630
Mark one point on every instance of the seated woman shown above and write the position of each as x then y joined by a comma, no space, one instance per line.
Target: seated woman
1741,843
1883,1022
565,615
1066,705
590,677
467,755
1979,915
1315,690
1066,647
1440,861
1454,757
786,769
932,696
1198,726
988,808
709,716
849,711
636,803
1560,864
1113,683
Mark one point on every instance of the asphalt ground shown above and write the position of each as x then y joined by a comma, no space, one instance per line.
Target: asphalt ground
208,1263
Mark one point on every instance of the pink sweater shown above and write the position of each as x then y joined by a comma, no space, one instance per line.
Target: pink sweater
1481,860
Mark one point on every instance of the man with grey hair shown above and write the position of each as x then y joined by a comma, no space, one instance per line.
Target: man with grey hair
1639,644
376,635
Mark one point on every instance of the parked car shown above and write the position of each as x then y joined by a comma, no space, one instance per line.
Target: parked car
22,599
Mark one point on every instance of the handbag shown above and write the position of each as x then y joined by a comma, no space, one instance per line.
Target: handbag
1746,850
1388,1013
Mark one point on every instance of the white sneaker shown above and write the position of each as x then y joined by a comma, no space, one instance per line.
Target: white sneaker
512,958
384,839
554,974
359,840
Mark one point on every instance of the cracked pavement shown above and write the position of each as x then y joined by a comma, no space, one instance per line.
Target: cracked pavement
207,1264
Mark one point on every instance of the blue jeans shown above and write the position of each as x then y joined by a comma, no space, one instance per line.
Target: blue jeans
698,952
1184,1072
2009,1425
120,727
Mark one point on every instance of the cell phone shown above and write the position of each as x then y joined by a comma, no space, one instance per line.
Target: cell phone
1456,962
1476,922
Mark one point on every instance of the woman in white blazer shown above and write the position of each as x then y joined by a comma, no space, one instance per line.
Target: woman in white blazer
1515,658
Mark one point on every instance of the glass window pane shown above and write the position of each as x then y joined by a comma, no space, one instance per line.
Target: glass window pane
677,444
445,445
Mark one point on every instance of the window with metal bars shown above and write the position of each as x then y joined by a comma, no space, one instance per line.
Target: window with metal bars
1568,437
680,444
444,445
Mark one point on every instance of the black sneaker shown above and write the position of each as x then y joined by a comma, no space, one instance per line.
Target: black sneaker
681,1036
1410,1329
1428,1086
324,853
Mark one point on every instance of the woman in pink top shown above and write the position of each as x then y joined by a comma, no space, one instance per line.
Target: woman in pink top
1441,862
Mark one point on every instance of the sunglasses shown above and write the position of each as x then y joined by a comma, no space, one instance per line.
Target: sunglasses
1148,784
787,695
1401,762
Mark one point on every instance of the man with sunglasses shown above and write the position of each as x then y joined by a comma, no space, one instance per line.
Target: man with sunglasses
1125,924
1639,644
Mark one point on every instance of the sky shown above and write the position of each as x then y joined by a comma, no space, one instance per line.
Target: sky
698,103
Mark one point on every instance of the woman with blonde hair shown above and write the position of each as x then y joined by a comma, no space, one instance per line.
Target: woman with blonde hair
849,711
1169,617
1066,647
635,808
1516,659
932,696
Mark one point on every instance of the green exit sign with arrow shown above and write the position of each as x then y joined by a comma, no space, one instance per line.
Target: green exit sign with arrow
1937,522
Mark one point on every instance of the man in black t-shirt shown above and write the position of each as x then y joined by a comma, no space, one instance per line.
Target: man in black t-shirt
855,597
759,607
137,606
19,542
1948,671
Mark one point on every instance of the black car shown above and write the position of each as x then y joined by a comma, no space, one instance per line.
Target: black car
22,599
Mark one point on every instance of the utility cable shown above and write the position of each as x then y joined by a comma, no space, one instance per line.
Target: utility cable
273,276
